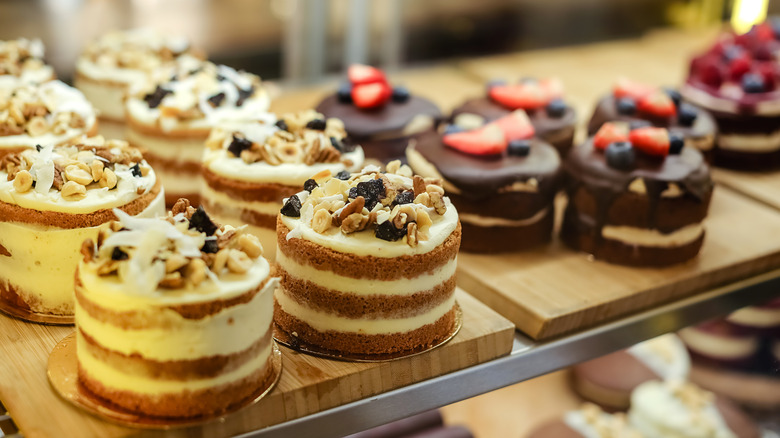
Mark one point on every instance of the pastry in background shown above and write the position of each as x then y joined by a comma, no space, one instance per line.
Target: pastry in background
22,59
587,422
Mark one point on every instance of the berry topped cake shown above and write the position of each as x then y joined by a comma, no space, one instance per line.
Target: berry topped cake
23,59
643,105
51,200
636,197
377,116
502,179
51,113
367,263
588,422
553,119
119,60
174,316
737,81
249,169
171,120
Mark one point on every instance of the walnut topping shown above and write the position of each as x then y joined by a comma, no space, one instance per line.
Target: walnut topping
607,425
38,110
139,49
385,203
18,56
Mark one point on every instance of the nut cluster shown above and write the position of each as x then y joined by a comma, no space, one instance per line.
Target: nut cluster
17,56
23,111
136,50
77,168
223,249
301,138
607,426
395,204
692,396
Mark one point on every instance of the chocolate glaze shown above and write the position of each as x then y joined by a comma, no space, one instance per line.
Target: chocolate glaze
503,239
606,111
386,121
559,131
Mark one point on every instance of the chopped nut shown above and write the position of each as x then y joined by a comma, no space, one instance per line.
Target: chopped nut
411,234
423,219
196,271
88,250
180,206
108,180
430,188
220,261
23,181
437,200
238,262
108,267
321,174
393,166
250,244
419,185
37,126
97,170
333,186
356,206
145,170
424,199
405,170
73,191
172,280
321,221
351,223
175,262
77,174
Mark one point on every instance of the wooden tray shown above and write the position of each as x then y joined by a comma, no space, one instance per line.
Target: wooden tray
554,290
761,186
308,384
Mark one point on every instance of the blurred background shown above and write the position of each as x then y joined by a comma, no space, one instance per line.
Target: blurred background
304,40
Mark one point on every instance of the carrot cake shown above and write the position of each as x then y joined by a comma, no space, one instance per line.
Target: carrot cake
171,120
250,169
367,263
110,66
23,59
51,199
51,113
173,315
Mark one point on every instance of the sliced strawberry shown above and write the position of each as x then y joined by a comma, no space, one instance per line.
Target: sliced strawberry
364,74
628,88
650,140
738,67
525,95
770,71
610,133
371,95
553,87
515,126
487,140
658,104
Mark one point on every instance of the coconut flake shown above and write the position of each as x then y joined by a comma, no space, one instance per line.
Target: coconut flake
43,170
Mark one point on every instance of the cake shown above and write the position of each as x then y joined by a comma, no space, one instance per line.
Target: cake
23,59
763,319
643,105
50,113
736,79
173,316
682,409
380,118
554,120
720,342
587,422
171,120
501,178
51,199
248,170
367,263
110,66
609,380
636,197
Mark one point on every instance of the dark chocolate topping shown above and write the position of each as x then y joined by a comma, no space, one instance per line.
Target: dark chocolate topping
606,111
388,120
543,123
479,177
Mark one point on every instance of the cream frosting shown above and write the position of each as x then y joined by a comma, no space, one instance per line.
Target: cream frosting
107,99
592,422
757,143
182,150
671,410
755,316
724,347
665,355
487,221
654,238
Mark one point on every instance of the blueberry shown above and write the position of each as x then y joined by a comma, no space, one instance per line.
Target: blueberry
216,100
343,175
452,129
733,52
519,148
136,170
373,191
495,83
401,94
310,185
344,93
243,94
238,145
118,254
202,222
674,95
687,114
336,143
753,83
406,197
636,124
620,155
292,208
318,124
387,231
676,143
775,23
210,246
281,124
556,108
626,106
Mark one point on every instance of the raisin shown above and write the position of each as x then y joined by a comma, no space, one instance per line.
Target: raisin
154,98
336,143
387,231
406,197
210,246
216,100
136,170
118,254
292,208
244,95
373,191
343,175
238,145
353,193
310,185
318,124
202,222
281,124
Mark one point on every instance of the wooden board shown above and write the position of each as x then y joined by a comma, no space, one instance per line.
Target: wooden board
761,186
308,384
554,290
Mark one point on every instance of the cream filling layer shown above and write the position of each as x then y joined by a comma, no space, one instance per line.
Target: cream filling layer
363,286
487,221
43,259
179,183
106,98
755,316
113,378
325,322
722,347
232,330
657,413
758,143
24,140
96,198
288,174
364,243
234,206
665,356
114,74
654,238
182,150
